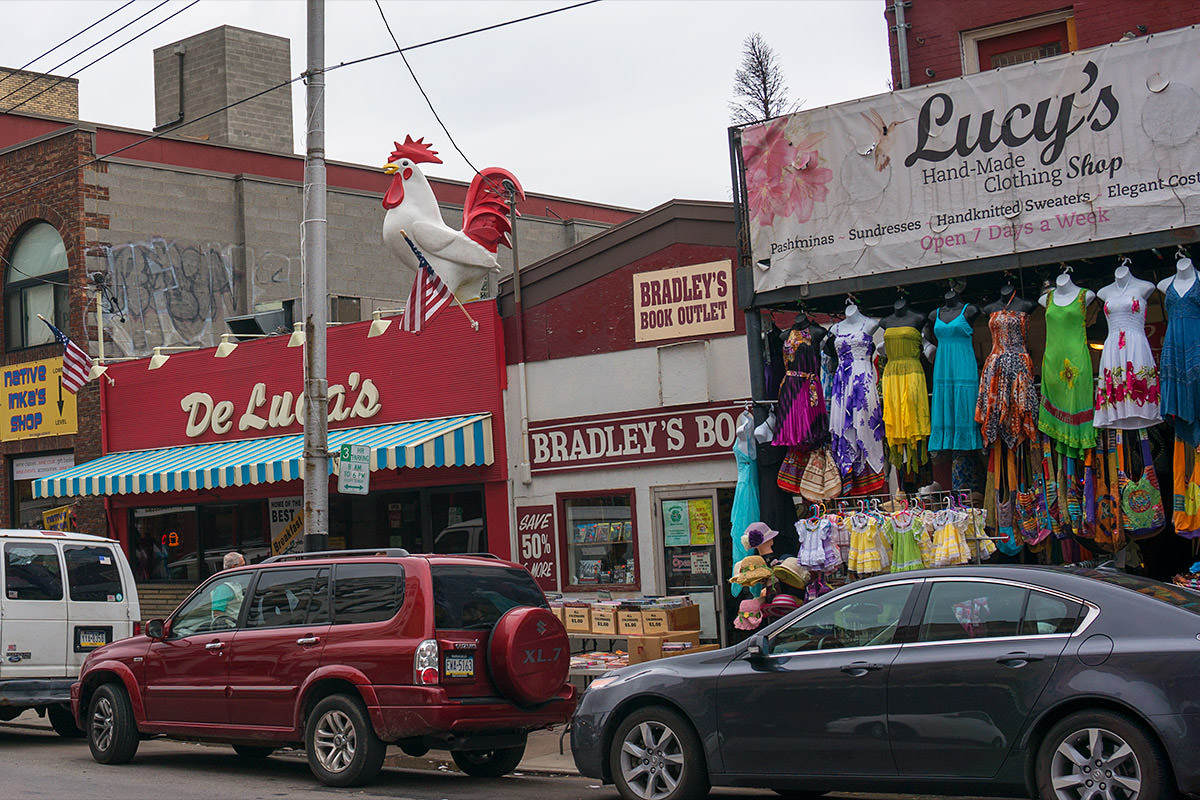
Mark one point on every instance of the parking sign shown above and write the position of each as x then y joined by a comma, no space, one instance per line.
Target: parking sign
354,472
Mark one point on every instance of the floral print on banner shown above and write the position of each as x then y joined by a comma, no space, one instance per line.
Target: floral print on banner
783,178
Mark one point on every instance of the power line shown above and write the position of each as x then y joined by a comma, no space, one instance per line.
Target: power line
101,58
67,40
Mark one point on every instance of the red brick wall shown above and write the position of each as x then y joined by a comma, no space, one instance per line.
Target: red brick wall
58,201
933,38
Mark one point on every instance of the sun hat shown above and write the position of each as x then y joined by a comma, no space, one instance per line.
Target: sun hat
749,614
750,570
757,533
792,572
780,606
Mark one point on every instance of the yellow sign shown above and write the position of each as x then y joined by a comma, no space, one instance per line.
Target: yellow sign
35,404
289,539
57,519
684,301
700,520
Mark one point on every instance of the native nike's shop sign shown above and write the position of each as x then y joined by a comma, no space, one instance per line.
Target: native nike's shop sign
684,301
1090,145
35,404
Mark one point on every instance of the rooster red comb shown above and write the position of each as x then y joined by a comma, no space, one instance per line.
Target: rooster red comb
416,151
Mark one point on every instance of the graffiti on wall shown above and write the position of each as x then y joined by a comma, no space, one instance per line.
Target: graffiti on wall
175,293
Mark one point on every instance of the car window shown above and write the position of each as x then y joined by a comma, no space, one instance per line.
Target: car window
862,619
92,574
970,610
1046,614
1178,596
367,592
32,572
216,607
467,596
289,597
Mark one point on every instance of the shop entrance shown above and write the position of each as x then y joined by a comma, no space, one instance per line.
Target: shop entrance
692,525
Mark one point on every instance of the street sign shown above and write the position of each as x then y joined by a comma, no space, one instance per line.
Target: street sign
354,472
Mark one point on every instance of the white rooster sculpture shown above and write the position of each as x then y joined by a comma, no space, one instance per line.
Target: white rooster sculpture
463,258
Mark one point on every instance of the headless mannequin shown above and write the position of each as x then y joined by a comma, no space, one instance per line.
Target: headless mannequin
903,316
802,322
854,322
745,434
1008,300
1065,291
1125,282
1183,280
953,306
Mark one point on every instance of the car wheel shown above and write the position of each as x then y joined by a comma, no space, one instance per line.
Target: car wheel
488,763
343,749
252,752
63,722
655,755
1099,754
112,732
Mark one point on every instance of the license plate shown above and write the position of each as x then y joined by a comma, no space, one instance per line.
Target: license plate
92,638
460,666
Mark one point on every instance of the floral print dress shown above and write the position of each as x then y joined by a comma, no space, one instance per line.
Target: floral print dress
803,416
855,412
1127,392
1067,401
1008,398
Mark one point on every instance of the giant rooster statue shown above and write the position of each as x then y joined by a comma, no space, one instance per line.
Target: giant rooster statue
463,258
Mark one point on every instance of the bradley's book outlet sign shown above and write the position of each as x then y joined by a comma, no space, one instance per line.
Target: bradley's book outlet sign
696,300
633,437
1095,144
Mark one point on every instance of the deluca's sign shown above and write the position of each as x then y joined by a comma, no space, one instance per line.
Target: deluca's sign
1094,144
633,437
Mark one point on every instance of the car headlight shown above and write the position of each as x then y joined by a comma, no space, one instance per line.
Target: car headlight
600,683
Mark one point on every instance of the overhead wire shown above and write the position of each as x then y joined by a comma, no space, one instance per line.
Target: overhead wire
66,41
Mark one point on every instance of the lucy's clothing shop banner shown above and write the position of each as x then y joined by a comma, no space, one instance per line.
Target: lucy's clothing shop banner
1095,144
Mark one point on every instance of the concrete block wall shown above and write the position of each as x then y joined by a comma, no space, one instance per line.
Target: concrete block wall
39,93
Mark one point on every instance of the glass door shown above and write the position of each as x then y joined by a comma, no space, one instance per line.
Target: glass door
696,550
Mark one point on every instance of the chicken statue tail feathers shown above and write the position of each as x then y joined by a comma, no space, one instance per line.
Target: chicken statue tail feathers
486,208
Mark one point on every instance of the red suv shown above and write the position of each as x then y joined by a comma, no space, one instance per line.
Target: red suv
342,653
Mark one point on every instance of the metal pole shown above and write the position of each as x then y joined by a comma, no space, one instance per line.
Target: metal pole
523,469
902,42
316,387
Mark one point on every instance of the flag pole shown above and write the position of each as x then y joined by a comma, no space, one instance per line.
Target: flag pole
474,324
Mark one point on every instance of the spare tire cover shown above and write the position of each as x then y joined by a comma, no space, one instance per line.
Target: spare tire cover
529,655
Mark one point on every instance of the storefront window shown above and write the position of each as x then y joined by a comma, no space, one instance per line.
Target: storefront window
189,543
458,521
601,541
26,510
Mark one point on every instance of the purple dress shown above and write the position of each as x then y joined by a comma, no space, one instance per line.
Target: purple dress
803,417
855,413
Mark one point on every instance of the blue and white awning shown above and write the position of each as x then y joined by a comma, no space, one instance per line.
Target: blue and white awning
445,442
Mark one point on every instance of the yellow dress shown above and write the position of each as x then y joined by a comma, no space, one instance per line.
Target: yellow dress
905,399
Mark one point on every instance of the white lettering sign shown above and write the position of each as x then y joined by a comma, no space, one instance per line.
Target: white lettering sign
204,413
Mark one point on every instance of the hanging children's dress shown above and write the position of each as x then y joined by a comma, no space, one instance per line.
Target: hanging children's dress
855,412
903,528
1007,407
905,398
1181,363
816,544
1127,393
869,552
803,417
955,386
1067,401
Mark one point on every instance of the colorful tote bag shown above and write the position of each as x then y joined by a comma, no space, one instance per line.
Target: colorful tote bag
791,470
1141,499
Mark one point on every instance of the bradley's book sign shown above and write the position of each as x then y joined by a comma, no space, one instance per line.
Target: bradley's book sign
684,301
1090,145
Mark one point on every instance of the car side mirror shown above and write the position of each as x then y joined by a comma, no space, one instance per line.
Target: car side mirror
156,629
759,647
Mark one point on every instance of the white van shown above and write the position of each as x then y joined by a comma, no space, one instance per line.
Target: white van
62,595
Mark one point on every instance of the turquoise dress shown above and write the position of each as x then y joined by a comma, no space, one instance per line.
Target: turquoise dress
955,387
745,505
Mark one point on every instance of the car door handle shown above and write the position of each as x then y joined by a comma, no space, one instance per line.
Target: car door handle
308,640
214,645
859,668
1019,659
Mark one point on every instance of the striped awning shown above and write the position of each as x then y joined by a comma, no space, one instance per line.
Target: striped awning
445,442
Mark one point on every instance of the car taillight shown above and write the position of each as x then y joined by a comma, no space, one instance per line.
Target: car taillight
425,664
137,628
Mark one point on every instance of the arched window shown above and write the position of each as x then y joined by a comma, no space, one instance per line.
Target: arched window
35,282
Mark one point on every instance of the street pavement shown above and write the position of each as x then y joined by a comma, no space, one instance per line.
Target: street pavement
37,763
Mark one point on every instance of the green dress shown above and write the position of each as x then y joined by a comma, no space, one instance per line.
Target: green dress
1068,402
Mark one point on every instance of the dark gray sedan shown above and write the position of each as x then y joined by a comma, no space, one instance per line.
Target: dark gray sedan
1058,683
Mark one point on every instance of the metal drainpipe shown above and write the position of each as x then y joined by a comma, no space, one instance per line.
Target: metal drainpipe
523,468
901,29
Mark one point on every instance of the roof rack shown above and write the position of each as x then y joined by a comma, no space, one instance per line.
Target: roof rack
389,552
462,555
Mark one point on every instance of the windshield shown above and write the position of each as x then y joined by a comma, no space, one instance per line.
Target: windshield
1168,593
472,596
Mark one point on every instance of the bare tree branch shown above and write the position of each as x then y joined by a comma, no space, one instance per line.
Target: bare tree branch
758,85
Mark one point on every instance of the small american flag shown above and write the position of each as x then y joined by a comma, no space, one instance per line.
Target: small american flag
76,363
429,295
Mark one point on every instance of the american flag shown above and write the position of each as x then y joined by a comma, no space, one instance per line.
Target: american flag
429,295
76,363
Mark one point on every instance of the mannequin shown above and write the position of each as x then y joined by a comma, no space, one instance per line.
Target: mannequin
1008,299
1124,282
803,322
1183,280
855,321
955,375
953,306
1065,291
1121,401
903,316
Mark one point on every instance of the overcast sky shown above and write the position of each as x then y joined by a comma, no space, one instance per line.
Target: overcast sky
623,102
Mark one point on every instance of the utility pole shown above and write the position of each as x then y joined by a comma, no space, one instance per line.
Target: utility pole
316,386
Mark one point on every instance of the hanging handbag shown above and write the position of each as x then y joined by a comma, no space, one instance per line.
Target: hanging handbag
1141,500
791,470
819,476
1006,507
1106,532
1073,524
832,482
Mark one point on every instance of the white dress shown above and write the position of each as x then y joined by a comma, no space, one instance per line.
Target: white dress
1127,391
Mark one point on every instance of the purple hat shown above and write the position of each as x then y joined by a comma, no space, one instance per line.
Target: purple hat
757,533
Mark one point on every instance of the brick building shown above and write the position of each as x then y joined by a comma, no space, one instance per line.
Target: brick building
186,231
947,38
